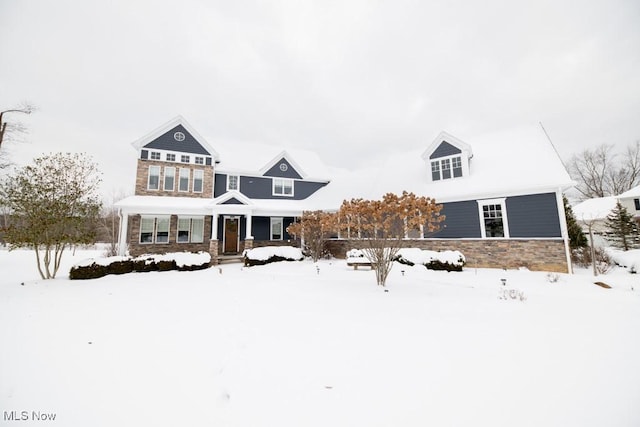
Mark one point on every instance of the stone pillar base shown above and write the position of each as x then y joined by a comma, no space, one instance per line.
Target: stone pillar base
213,251
248,244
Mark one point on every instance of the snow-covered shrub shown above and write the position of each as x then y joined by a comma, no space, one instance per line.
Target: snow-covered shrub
94,268
355,253
269,254
443,260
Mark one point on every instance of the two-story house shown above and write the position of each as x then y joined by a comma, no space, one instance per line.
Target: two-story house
190,198
501,194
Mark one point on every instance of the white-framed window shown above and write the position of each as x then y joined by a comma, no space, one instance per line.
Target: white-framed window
190,230
183,180
199,160
155,155
493,218
282,187
446,168
169,178
198,177
277,228
171,157
233,182
153,182
185,159
154,229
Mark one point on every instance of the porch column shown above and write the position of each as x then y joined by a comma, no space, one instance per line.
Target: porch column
249,234
214,227
122,233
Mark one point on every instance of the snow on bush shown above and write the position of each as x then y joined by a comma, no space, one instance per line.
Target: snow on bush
94,268
444,260
268,254
627,259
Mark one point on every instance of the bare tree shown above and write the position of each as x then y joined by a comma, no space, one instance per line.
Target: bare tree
602,172
314,227
10,131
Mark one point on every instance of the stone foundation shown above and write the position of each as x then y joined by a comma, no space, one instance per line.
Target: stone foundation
536,255
213,251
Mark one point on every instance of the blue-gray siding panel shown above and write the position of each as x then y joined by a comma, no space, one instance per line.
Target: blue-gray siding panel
289,173
168,142
261,227
220,185
534,215
462,221
445,149
262,188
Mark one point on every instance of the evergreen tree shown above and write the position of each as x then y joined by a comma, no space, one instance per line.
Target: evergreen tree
577,238
622,228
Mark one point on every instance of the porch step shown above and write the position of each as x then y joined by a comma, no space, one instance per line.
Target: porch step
227,259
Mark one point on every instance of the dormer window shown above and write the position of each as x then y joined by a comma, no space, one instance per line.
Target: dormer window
447,168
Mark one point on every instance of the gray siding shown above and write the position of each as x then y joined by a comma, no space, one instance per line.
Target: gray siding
262,188
256,187
261,227
167,142
219,185
533,215
289,173
462,221
445,149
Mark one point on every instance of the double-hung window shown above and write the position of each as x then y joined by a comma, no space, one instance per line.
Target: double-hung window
282,187
190,230
233,182
493,218
276,228
155,155
171,157
153,182
169,178
185,159
198,176
199,160
154,229
183,182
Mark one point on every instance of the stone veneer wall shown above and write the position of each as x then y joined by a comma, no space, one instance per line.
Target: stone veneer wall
142,176
536,255
136,248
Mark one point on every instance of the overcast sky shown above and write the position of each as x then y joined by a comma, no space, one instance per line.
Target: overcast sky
351,80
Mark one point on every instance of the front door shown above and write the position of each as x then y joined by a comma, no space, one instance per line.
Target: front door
231,226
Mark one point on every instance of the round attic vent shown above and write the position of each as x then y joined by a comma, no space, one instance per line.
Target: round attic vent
178,136
283,167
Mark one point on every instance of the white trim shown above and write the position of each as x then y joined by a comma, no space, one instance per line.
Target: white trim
447,137
503,210
273,220
564,229
273,186
237,182
164,178
283,155
149,177
193,181
139,143
180,179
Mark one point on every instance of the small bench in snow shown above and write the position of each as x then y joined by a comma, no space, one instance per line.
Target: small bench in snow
356,262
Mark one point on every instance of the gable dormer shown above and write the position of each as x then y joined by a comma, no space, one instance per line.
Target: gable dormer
282,166
447,158
176,141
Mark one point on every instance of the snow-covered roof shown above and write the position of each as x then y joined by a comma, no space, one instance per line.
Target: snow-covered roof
250,158
634,192
520,161
594,209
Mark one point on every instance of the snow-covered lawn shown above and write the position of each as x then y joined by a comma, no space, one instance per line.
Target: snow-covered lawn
300,344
